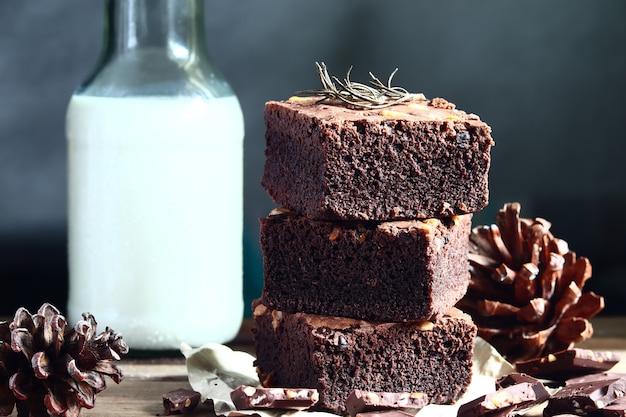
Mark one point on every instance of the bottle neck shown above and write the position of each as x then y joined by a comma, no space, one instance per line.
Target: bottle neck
154,47
174,28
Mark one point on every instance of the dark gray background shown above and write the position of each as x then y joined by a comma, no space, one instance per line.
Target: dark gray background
548,76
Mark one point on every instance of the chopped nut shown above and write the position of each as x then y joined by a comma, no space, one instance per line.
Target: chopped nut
334,234
340,341
373,397
258,399
426,325
432,222
278,211
418,106
259,310
394,114
427,228
277,316
362,216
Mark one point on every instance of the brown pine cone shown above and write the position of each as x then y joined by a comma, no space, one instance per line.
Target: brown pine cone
48,368
526,291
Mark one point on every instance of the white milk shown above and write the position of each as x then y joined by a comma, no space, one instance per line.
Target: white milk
155,218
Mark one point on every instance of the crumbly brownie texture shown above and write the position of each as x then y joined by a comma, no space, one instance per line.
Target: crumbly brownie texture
338,355
419,159
389,271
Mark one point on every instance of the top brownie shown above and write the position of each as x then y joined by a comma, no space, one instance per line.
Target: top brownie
419,159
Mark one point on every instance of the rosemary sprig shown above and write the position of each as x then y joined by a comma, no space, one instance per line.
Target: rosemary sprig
374,96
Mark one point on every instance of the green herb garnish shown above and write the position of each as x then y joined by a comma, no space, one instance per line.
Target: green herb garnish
376,95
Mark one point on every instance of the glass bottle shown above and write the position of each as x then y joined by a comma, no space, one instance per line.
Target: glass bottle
155,183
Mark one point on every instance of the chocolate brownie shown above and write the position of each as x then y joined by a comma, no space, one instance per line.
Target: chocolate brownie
418,159
386,271
337,355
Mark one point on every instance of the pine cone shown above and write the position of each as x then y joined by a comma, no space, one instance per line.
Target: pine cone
48,368
526,291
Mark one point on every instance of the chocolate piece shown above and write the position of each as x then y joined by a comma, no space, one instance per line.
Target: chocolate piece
569,363
411,160
514,378
504,412
398,271
337,355
246,397
385,413
616,409
562,415
595,377
243,414
180,400
503,402
360,401
585,397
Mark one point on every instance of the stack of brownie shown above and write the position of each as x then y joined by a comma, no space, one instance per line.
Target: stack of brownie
368,254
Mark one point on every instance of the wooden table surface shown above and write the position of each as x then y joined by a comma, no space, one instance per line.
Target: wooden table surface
146,380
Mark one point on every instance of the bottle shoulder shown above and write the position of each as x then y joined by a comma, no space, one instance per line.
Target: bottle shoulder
153,73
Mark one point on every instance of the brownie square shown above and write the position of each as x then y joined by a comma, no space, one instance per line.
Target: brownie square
336,355
419,159
387,271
